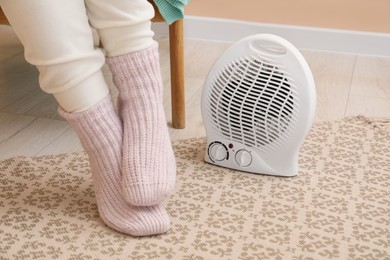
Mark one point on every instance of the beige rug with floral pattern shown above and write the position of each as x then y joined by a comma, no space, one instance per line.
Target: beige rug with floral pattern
338,207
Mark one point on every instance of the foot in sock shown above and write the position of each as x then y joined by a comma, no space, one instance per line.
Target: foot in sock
100,132
148,167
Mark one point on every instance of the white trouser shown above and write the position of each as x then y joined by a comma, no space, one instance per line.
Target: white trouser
58,39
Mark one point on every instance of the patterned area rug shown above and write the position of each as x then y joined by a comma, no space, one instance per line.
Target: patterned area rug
338,207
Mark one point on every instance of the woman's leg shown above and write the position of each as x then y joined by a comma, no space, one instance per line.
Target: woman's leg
58,40
148,167
100,132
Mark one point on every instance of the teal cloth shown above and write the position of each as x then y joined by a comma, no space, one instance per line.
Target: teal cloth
171,10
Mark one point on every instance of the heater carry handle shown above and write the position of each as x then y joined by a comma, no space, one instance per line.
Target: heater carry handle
270,45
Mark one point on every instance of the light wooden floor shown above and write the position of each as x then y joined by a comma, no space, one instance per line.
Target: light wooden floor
29,125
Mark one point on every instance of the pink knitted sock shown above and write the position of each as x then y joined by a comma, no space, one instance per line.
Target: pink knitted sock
100,132
148,167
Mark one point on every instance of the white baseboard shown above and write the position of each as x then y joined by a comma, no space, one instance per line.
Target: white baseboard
354,42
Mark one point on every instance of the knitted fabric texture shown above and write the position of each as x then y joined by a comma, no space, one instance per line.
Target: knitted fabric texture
148,166
100,133
171,10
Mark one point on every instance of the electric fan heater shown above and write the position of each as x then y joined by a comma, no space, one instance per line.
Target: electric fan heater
258,105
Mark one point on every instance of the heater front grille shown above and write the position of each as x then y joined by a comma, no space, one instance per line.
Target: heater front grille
254,101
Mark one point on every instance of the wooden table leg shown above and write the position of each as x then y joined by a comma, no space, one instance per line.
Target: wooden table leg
176,49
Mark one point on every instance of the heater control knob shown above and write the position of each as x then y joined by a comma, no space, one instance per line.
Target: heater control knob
243,158
218,151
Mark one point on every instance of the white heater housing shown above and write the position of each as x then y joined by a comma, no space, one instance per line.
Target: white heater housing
258,104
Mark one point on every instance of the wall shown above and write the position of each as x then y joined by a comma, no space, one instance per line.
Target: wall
357,15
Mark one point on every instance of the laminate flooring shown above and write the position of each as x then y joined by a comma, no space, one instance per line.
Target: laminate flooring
346,85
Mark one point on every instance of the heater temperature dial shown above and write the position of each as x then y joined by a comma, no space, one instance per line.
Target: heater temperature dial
243,158
218,151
